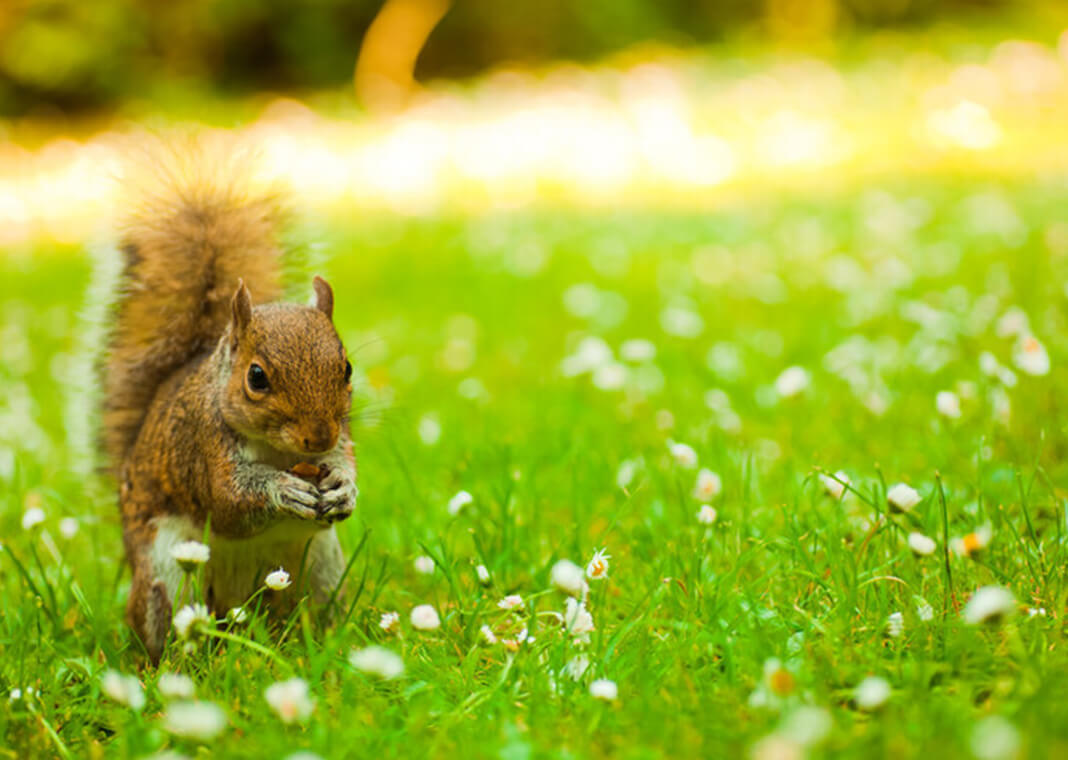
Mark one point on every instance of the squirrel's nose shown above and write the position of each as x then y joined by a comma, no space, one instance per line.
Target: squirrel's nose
321,437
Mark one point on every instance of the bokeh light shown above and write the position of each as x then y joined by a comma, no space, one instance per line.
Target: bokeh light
672,128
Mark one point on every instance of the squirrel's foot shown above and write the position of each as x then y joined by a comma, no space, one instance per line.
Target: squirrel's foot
296,497
337,496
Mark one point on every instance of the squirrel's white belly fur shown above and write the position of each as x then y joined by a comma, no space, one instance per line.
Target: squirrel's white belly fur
236,567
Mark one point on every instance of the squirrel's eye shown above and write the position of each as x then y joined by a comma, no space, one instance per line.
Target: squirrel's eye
348,371
257,378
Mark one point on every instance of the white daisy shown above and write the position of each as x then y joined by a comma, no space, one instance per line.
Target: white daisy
483,575
190,618
577,620
598,568
872,693
510,602
199,721
32,517
604,689
459,501
637,350
989,604
582,300
568,577
429,429
488,635
924,610
425,618
706,515
903,497
628,468
290,700
175,686
126,690
522,637
708,485
683,454
948,404
777,747
989,364
995,738
1030,356
424,565
877,402
68,527
681,322
577,666
277,579
1012,323
378,661
921,545
792,381
836,486
190,554
778,678
974,542
609,377
895,625
389,621
592,352
806,725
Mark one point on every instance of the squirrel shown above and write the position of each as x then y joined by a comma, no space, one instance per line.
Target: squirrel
214,409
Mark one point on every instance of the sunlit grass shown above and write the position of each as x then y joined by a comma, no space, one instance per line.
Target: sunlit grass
502,355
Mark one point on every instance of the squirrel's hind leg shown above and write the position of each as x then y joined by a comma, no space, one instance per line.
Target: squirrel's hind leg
148,609
326,564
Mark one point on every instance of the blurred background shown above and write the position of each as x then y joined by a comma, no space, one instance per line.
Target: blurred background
420,106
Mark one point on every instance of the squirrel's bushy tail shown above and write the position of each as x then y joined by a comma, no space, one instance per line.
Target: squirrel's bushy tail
195,229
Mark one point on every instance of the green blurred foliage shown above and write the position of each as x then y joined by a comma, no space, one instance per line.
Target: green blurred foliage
66,51
73,54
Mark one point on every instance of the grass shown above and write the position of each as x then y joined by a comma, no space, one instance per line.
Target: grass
885,295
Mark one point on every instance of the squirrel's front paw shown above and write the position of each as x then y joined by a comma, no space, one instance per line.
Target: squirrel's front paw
296,497
337,496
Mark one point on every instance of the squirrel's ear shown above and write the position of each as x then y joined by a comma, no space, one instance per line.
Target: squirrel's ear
242,307
324,297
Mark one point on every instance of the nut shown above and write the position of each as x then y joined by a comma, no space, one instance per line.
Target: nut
309,471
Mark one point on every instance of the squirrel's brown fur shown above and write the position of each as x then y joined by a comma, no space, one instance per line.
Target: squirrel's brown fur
191,436
185,247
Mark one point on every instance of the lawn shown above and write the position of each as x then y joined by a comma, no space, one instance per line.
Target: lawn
550,363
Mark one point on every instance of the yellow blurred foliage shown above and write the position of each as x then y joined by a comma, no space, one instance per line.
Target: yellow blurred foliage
385,69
